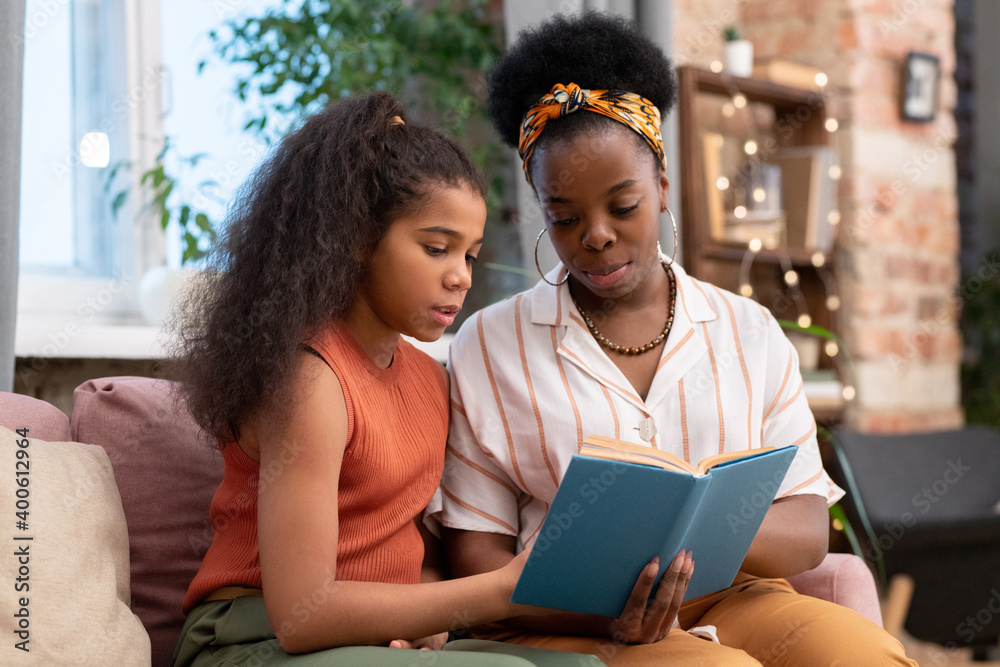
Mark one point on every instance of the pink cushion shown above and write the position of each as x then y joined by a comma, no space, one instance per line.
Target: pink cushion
167,473
43,421
844,579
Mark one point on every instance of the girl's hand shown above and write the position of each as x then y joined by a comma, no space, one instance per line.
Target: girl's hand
642,623
432,643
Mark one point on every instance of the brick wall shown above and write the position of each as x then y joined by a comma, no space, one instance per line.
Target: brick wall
898,245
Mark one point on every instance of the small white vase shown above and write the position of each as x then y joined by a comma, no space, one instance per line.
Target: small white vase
739,57
159,290
807,346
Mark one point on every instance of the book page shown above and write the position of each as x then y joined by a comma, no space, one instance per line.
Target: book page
618,450
717,459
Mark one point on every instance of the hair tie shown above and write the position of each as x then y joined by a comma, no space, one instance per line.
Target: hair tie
630,109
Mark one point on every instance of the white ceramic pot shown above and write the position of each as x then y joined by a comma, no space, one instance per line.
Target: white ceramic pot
739,57
159,290
807,346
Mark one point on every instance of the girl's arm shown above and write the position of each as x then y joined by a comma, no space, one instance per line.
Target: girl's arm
300,460
472,552
793,538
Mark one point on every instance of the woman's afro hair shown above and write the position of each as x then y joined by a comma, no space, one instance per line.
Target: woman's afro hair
593,50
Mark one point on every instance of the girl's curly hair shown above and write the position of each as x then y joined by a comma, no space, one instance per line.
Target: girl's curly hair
593,50
296,248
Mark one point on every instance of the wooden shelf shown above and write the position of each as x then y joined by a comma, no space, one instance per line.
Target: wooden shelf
797,257
756,90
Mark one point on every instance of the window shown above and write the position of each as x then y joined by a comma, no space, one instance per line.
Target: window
103,81
75,124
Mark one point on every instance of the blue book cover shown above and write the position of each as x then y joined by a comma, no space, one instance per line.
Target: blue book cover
610,517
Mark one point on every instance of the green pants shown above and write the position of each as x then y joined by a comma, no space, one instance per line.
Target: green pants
238,632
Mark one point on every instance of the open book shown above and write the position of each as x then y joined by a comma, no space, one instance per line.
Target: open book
600,447
620,504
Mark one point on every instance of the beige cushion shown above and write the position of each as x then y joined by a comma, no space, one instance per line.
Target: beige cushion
77,562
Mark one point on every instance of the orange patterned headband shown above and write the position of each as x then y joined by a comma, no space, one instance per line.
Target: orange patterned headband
633,110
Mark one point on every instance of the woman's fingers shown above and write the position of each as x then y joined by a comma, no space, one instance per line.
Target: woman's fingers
627,628
670,597
645,619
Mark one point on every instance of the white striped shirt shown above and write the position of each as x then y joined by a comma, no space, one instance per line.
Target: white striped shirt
529,383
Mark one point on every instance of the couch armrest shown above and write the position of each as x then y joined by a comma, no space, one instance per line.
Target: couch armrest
844,579
43,421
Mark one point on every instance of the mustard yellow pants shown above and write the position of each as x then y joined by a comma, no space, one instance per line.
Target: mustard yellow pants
758,621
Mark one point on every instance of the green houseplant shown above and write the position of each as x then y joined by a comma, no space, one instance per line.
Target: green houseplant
299,55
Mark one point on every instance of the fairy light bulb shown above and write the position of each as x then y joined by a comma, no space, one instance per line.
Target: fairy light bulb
754,245
831,125
739,101
759,195
818,259
740,212
821,79
849,393
833,217
746,290
835,172
831,348
805,321
728,110
833,302
750,147
791,278
716,66
722,183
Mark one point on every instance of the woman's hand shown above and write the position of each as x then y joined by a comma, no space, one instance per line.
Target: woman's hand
642,623
432,643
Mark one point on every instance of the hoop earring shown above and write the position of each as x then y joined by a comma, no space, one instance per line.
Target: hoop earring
538,266
673,223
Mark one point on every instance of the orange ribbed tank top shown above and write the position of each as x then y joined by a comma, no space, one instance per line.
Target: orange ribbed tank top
396,434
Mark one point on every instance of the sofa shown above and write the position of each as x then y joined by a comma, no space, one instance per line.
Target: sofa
118,500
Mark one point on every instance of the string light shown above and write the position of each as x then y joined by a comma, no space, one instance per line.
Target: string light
835,172
831,348
754,245
833,302
722,183
831,125
821,79
833,217
849,393
818,259
746,290
740,212
750,147
759,195
716,66
739,101
728,109
791,278
805,321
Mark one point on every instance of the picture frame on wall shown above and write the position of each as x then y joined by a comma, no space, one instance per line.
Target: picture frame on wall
921,87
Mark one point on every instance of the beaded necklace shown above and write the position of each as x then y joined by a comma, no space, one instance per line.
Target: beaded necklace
623,349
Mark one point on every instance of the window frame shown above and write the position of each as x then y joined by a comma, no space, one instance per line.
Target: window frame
59,297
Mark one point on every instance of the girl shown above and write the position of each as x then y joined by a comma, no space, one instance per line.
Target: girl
359,228
617,340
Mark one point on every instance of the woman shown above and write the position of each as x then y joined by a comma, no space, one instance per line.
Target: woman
619,341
